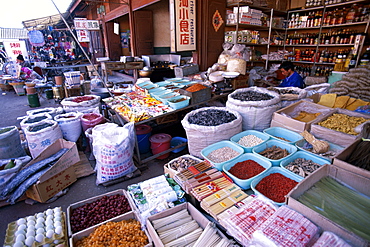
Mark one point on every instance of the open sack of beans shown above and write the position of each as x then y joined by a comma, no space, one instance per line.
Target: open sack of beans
256,106
209,125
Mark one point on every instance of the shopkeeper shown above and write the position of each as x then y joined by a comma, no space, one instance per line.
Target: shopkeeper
21,62
292,78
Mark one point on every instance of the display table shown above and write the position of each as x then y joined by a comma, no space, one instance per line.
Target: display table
108,66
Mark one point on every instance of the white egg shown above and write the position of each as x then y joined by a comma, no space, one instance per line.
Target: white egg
39,225
46,245
19,232
57,223
29,241
49,234
49,227
21,221
40,215
18,244
40,220
30,228
31,218
20,238
57,209
40,230
56,241
49,211
58,230
39,237
22,227
57,218
31,222
30,233
49,222
58,214
50,217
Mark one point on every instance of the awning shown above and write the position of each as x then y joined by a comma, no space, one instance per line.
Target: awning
41,23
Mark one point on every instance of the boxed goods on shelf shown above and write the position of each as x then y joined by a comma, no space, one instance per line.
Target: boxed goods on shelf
59,176
286,117
127,226
359,185
336,123
114,203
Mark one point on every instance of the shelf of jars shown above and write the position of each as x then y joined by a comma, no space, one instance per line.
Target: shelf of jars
321,45
329,26
320,6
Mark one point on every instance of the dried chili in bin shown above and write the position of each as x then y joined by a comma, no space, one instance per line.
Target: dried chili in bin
246,169
276,186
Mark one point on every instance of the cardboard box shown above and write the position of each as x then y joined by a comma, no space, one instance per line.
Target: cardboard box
171,172
92,199
197,96
240,82
334,136
131,215
353,180
59,176
195,214
297,4
284,117
339,160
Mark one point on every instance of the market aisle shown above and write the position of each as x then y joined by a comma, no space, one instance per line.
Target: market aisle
13,106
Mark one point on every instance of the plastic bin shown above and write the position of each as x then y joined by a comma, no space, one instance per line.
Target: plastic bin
143,132
257,133
268,144
334,149
276,132
160,143
177,140
246,183
207,150
178,102
167,96
304,155
162,83
272,170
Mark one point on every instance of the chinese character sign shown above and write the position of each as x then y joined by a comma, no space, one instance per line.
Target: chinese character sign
14,48
86,24
184,25
83,35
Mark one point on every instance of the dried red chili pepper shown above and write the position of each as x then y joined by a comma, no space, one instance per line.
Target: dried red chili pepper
246,169
276,186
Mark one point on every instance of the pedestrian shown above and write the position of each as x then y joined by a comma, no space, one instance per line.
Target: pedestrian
292,78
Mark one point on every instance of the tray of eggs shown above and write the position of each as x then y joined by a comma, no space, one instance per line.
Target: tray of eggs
44,228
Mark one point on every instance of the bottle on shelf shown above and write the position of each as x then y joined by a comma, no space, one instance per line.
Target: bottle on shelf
338,66
347,62
342,16
365,58
334,18
350,17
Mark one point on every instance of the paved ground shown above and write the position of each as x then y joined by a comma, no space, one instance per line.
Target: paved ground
13,106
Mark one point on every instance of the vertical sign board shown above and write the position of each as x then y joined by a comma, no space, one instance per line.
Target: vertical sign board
183,25
14,48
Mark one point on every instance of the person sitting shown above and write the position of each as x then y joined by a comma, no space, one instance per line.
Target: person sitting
21,62
292,78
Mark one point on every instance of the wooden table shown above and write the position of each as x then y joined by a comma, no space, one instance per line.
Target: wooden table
108,66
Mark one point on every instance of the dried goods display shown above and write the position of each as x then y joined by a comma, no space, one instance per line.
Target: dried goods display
35,119
360,156
343,123
211,117
286,228
39,127
354,84
222,154
344,206
135,107
219,195
98,211
192,171
123,233
249,141
246,169
319,146
306,117
80,99
195,88
182,163
276,186
210,187
41,229
274,153
302,167
334,100
251,96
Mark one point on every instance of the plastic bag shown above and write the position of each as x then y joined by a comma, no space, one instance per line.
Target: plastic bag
7,174
39,140
70,124
225,54
256,115
34,118
113,148
92,105
10,143
253,76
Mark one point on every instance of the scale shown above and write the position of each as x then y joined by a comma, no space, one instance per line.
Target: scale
225,86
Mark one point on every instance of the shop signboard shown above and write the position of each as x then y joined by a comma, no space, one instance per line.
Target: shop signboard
83,36
183,25
86,24
15,48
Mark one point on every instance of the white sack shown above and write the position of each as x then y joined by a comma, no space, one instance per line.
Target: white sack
87,106
10,143
7,174
32,119
70,124
256,115
39,140
113,148
52,111
200,136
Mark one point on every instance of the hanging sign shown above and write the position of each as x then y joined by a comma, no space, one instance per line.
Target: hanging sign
183,25
15,48
86,24
83,35
217,20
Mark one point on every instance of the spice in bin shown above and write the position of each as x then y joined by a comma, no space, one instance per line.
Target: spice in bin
246,169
